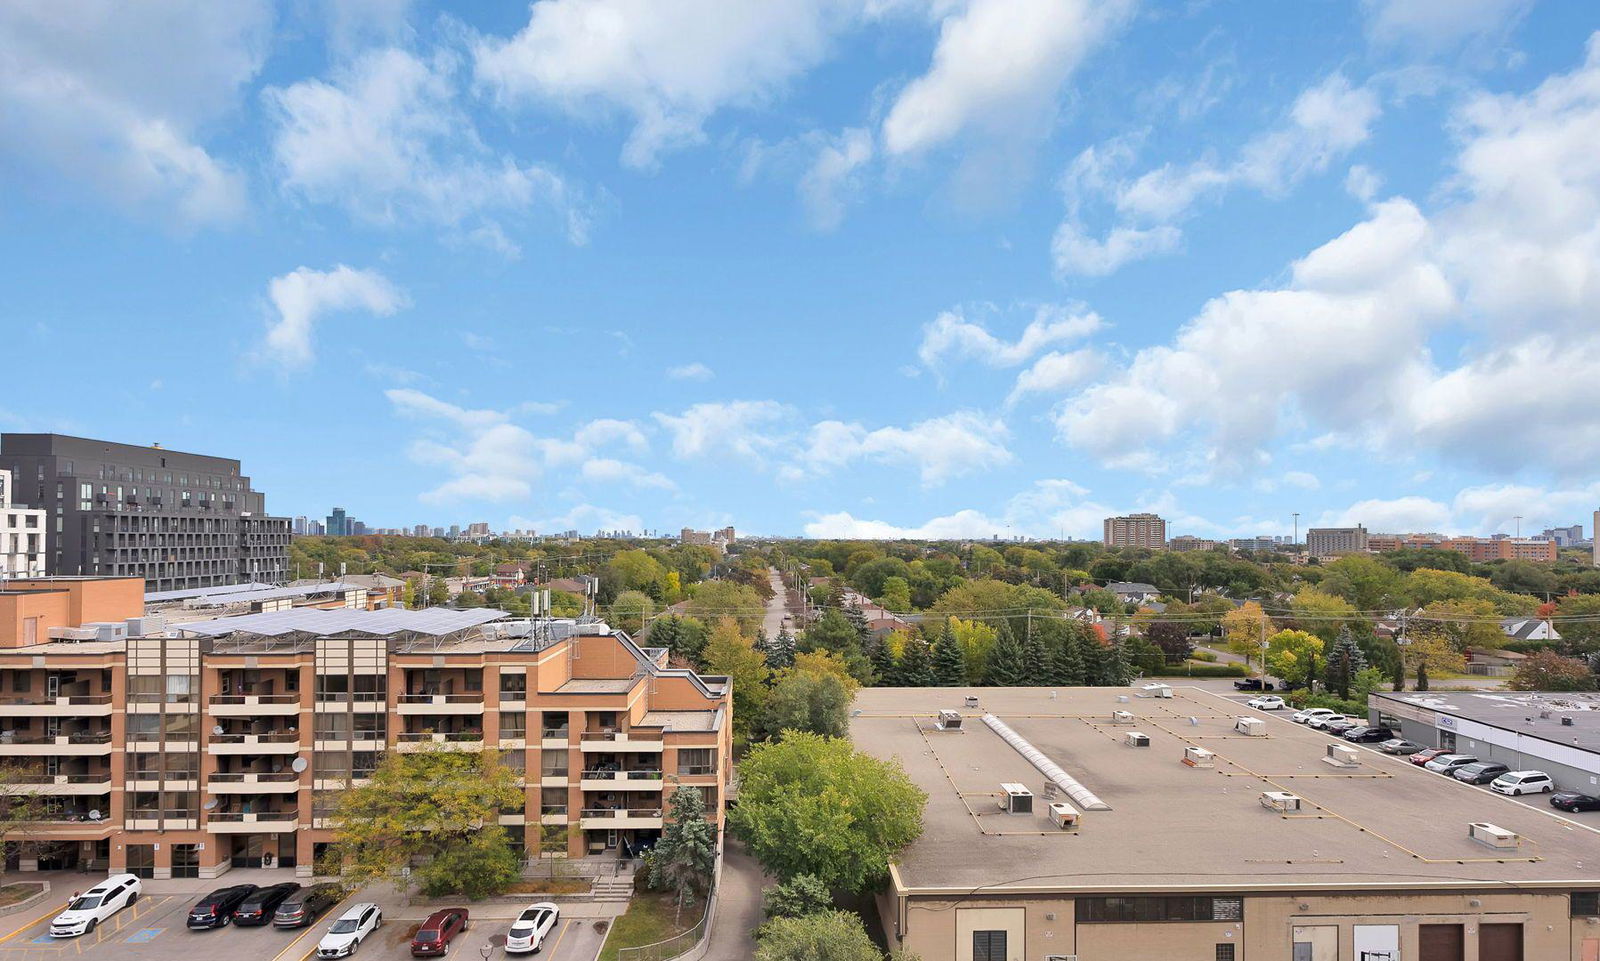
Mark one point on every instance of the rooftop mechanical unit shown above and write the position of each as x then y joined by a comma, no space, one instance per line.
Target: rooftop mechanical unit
1121,717
1136,739
1157,690
1280,801
972,700
1492,835
949,721
1250,726
1199,757
1016,799
1342,756
1063,815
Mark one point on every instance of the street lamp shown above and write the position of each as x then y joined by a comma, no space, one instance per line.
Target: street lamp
486,950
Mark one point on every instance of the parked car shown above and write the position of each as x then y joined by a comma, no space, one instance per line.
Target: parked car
215,910
1340,725
1522,782
1447,763
1306,716
347,933
1573,801
531,927
306,906
1422,757
1252,684
1321,721
1365,734
436,931
260,907
1267,702
85,911
1399,745
1481,773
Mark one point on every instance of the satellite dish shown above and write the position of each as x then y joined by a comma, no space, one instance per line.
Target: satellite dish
211,804
216,729
297,765
94,815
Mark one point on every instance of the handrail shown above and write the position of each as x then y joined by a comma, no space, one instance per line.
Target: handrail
250,817
441,698
608,775
632,734
621,812
255,698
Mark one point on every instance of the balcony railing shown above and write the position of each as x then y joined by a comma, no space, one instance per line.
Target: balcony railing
552,810
418,736
82,737
553,732
346,697
41,700
563,772
606,775
442,698
152,814
621,812
245,817
266,737
636,734
34,777
255,699
241,777
696,770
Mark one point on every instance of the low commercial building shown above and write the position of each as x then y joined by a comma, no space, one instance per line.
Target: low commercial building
1188,542
188,750
1483,549
1107,824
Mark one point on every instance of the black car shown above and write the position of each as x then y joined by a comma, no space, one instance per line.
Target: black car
1573,801
1481,773
260,907
306,905
216,909
1367,735
1253,684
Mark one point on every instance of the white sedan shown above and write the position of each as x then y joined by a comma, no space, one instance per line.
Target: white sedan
1267,702
1310,714
531,927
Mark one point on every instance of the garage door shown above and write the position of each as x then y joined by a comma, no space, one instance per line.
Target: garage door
1500,942
1441,942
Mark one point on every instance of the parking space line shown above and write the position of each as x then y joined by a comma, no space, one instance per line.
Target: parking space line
564,929
310,930
43,917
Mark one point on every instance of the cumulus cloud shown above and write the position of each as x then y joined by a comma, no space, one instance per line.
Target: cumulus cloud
605,470
691,371
951,336
112,97
1048,508
302,296
938,449
740,428
1436,26
1055,372
582,518
385,139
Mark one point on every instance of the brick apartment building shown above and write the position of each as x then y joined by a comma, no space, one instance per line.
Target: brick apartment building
183,752
1136,530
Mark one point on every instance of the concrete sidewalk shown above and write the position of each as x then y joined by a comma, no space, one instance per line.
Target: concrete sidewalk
738,907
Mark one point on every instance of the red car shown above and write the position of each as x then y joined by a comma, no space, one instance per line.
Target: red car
1423,757
434,934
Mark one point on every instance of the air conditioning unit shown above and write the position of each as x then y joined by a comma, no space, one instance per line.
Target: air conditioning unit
949,721
1157,690
972,700
1136,739
1016,799
1280,801
1121,717
1199,757
1064,816
1492,835
1342,755
1250,726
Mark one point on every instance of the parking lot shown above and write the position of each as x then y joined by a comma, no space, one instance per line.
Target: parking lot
153,930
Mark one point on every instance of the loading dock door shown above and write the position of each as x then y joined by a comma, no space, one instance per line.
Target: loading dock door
1500,942
1441,942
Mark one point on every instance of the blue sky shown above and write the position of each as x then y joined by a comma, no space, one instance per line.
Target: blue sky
836,267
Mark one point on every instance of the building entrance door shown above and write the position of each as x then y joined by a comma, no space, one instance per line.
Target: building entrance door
1441,942
1500,942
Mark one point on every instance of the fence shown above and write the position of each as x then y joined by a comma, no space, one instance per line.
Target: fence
690,945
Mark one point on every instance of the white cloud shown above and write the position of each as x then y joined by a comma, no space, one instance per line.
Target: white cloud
1076,253
1055,372
1363,183
939,448
303,295
582,518
385,140
691,371
418,404
998,70
668,64
1048,508
961,524
1399,515
739,428
952,336
608,471
1435,26
113,96
834,176
1303,480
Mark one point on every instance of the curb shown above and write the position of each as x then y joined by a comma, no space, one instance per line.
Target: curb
26,903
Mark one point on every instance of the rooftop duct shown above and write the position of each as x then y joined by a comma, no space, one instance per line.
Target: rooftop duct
1085,798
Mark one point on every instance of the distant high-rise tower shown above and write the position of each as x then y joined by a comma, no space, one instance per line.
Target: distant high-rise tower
1136,530
338,524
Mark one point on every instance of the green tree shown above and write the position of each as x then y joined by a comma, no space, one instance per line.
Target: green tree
1008,662
1324,615
1066,659
1429,648
1114,670
1467,623
408,596
821,936
1549,671
949,667
731,653
1343,663
429,804
717,599
976,640
817,703
21,805
916,664
684,858
1245,628
797,897
896,594
1366,582
468,599
1579,624
1294,656
631,610
481,865
812,805
438,592
632,570
781,651
1171,638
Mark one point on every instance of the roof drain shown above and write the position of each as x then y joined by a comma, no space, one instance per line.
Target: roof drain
1082,796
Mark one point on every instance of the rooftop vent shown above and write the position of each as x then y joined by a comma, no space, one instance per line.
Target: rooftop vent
1016,799
949,721
1492,835
972,700
1121,717
1566,720
1342,755
1199,757
1122,699
1136,739
1064,816
1280,801
1250,726
1157,690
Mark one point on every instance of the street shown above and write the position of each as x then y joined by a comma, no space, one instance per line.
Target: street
773,622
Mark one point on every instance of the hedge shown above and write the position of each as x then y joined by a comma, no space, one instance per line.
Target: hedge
1301,699
1198,670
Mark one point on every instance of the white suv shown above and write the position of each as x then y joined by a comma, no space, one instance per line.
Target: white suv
531,927
1304,717
85,912
347,933
1267,702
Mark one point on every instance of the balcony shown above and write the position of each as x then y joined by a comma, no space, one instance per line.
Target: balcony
252,822
603,819
638,739
37,705
621,781
254,705
555,738
253,782
69,745
272,742
362,702
440,704
66,784
553,814
513,820
553,778
410,742
153,819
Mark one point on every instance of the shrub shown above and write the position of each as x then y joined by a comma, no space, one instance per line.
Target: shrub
1201,654
1303,699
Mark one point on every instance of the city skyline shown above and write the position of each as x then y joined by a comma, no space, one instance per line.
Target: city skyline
858,281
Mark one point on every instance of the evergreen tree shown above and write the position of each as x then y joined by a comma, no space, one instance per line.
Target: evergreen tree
665,632
1066,660
884,671
1008,662
1093,655
1035,658
858,620
684,860
1344,661
949,669
780,653
916,668
1114,669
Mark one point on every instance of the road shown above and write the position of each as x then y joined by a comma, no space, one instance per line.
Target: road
773,622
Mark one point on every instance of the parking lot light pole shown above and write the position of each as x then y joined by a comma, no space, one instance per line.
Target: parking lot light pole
486,950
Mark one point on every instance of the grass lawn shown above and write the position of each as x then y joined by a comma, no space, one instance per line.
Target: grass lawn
551,886
21,891
649,919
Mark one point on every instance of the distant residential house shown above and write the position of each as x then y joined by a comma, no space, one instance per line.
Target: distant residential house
1529,629
1134,592
1494,658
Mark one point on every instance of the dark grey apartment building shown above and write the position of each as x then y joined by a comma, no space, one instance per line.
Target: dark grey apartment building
178,520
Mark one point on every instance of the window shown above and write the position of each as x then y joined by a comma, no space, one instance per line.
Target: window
696,760
513,724
988,946
1225,952
1155,909
1585,903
